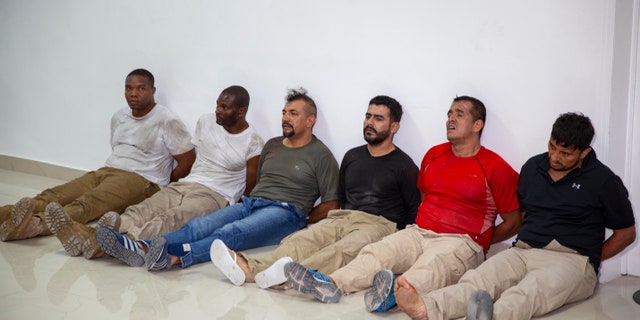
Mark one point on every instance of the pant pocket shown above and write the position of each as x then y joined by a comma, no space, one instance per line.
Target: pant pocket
468,256
151,189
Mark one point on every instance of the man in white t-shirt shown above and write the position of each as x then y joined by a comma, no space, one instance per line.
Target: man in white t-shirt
150,147
227,154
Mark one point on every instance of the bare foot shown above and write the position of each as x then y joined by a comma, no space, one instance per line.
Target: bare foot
174,260
241,262
409,300
142,246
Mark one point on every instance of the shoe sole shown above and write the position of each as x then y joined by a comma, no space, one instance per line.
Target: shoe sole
60,225
300,279
110,220
382,286
108,242
274,275
222,260
156,252
480,306
91,249
21,215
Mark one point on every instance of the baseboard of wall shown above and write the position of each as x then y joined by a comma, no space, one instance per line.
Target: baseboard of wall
38,168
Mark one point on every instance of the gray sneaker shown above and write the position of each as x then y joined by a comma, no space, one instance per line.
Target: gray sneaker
120,247
312,282
157,259
380,297
480,306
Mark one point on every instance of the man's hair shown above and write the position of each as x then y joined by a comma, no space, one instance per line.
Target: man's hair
301,94
143,73
478,112
240,95
395,109
573,130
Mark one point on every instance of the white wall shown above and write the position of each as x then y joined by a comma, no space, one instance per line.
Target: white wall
63,65
628,13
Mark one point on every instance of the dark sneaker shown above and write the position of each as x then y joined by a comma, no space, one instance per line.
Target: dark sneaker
158,258
119,247
380,297
480,306
312,282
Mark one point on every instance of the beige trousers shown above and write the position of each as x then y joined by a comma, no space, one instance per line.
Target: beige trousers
89,196
329,244
523,282
428,260
170,209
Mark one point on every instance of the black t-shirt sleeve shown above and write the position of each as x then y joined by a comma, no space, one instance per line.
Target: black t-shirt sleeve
618,213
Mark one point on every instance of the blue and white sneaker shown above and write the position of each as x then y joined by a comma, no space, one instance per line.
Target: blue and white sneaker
312,282
480,306
158,258
119,246
380,297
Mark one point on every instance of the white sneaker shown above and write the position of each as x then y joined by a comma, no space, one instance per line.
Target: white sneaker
273,275
221,259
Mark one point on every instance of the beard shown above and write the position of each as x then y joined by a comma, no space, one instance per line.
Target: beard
377,139
288,134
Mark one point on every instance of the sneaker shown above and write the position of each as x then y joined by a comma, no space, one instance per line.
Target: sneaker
21,224
311,282
111,220
380,297
480,306
157,258
274,275
60,224
222,260
119,247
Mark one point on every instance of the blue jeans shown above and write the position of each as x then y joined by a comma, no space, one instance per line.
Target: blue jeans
254,222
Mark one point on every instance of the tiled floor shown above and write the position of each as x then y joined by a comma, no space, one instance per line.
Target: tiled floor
39,280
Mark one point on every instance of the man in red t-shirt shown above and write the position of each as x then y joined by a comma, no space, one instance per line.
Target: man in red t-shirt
464,187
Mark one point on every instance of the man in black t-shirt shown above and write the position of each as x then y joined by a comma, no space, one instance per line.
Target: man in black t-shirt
377,194
569,197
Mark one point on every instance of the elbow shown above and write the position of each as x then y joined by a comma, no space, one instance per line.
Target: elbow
631,235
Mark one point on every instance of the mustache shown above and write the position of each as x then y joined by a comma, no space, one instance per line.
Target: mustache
369,127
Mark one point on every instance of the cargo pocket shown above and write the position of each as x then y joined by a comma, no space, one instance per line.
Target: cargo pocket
468,256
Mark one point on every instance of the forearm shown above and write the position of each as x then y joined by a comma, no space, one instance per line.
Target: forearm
185,161
508,228
320,211
179,172
619,240
503,232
